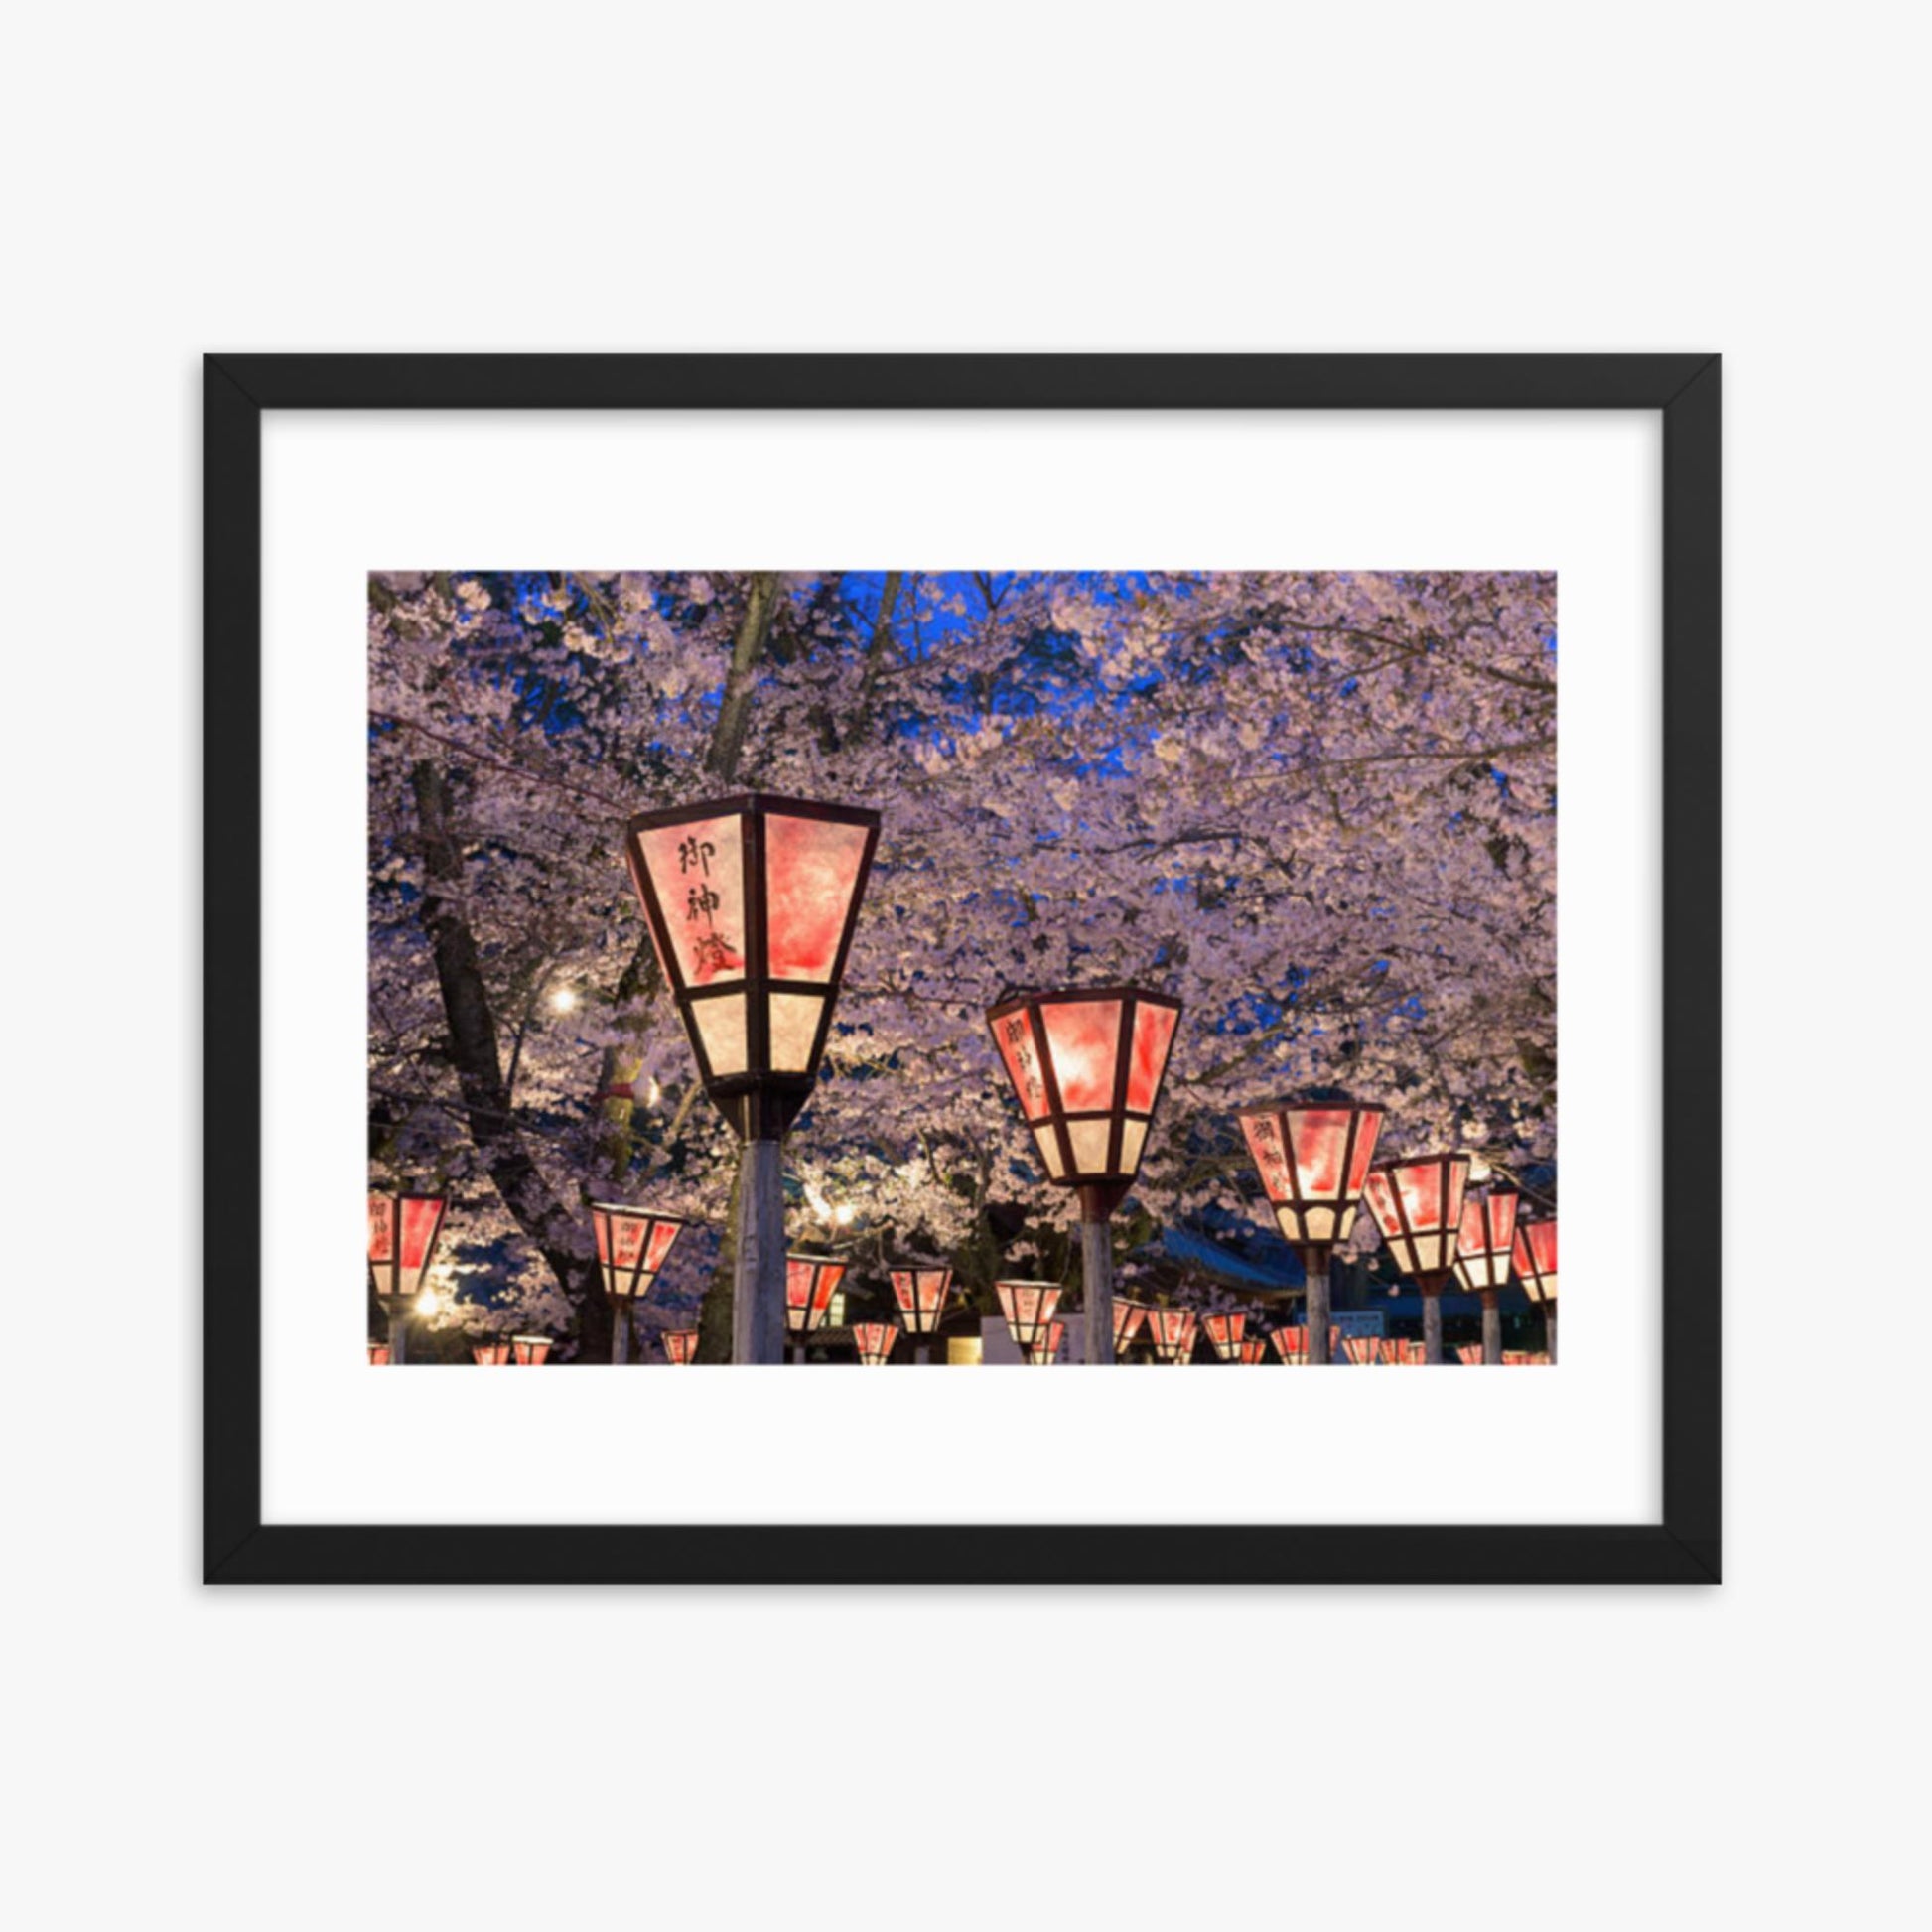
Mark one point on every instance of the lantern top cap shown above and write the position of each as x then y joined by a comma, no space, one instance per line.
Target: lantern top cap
753,801
543,1338
1011,998
412,1193
1307,1103
799,1254
643,1213
1016,1282
1421,1161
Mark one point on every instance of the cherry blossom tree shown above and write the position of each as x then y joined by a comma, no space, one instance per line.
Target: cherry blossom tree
1320,808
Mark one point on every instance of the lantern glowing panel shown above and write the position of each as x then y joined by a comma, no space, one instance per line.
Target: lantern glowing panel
402,1242
1362,1350
1469,1355
751,901
920,1291
680,1347
873,1341
1086,1067
1410,1355
632,1244
378,1354
1254,1351
1482,1248
1535,1256
490,1354
1291,1345
1029,1306
1046,1351
1173,1330
809,1284
1313,1161
1418,1205
1129,1318
1224,1334
529,1351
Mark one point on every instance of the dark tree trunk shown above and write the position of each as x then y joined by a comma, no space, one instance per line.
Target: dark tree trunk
552,1226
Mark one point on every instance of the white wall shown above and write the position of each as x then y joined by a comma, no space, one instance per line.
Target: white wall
1677,177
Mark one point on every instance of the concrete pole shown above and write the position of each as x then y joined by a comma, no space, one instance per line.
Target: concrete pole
620,1328
1432,1323
398,1333
1549,1329
1492,1329
1097,1270
1319,1262
758,1276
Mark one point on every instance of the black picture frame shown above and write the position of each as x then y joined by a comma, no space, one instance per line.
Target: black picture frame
238,1547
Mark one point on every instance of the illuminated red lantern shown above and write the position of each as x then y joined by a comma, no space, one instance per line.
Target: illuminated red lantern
529,1351
680,1347
809,1284
1418,1205
1129,1318
403,1229
1029,1308
1517,1358
1046,1351
490,1354
875,1341
1224,1332
1536,1268
1254,1351
1469,1355
378,1354
1172,1332
751,903
921,1289
1363,1349
1410,1355
1312,1160
1291,1346
1086,1065
632,1245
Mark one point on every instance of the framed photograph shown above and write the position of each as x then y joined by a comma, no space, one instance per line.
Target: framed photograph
849,863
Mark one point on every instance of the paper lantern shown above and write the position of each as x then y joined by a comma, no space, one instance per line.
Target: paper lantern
1254,1351
1485,1240
1129,1319
1469,1355
1087,1066
403,1230
1409,1354
1314,1160
1046,1351
680,1347
751,901
1291,1346
1224,1334
378,1354
1172,1332
1418,1205
810,1283
494,1353
921,1289
1362,1350
529,1351
1029,1308
1535,1255
873,1341
632,1244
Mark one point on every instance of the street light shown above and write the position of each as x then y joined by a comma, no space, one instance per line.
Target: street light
874,1342
680,1347
490,1354
1046,1351
529,1351
1224,1332
921,1289
1536,1266
1129,1319
751,901
1029,1308
1314,1160
1086,1065
403,1230
632,1245
1482,1248
1172,1334
810,1283
1418,1205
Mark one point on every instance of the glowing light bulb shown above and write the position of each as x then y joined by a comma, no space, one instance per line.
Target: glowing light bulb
842,1215
564,1000
426,1301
